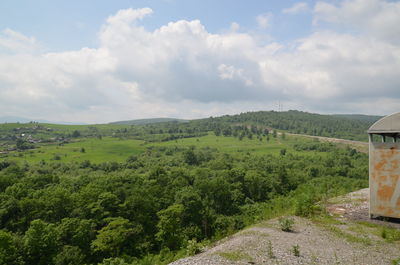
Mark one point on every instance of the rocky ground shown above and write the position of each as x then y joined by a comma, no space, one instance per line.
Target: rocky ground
348,237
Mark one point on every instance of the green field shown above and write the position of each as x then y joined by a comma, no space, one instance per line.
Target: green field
95,150
232,145
115,149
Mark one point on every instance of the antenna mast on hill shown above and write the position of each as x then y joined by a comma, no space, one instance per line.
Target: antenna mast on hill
279,106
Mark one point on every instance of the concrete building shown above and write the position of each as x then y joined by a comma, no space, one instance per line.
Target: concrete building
384,167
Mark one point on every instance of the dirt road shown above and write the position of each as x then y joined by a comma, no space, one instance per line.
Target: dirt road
358,145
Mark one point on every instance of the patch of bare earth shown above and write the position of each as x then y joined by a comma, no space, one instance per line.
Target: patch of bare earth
355,207
345,238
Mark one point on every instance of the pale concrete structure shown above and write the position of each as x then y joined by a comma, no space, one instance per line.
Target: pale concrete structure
384,167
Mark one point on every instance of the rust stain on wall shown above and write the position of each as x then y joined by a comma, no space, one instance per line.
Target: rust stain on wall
385,192
384,179
380,165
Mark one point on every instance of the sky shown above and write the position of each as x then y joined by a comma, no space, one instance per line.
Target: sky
98,61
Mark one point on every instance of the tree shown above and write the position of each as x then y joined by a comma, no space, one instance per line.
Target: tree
69,255
40,242
8,249
283,152
170,226
217,131
190,157
116,237
76,134
22,144
77,232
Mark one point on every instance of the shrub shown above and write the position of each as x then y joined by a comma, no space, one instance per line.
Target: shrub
286,224
296,250
270,250
305,205
193,247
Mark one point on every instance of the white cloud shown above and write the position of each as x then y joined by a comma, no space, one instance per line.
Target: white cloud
297,8
12,41
335,67
182,70
264,20
235,26
378,18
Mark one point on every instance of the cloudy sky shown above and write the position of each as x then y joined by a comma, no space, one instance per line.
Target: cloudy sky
100,60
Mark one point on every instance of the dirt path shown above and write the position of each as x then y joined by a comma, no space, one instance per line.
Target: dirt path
358,145
341,239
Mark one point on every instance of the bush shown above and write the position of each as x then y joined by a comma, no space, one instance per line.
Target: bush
113,261
286,224
270,251
305,205
296,250
193,247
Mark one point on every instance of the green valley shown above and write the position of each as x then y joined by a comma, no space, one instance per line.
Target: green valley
150,194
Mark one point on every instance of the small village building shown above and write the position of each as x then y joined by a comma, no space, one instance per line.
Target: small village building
384,167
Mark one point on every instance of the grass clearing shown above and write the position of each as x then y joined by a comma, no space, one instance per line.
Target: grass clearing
95,150
235,256
118,150
340,232
353,233
232,145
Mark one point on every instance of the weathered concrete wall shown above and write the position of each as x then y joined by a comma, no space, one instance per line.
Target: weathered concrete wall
384,174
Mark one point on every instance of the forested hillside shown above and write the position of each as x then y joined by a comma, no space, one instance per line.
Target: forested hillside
149,194
345,127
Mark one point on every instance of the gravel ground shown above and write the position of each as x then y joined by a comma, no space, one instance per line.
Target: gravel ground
355,207
317,244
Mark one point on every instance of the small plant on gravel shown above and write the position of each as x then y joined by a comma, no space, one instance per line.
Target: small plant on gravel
396,261
384,233
296,250
390,234
336,259
286,224
314,260
270,251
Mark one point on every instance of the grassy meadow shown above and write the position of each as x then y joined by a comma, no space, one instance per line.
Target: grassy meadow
116,149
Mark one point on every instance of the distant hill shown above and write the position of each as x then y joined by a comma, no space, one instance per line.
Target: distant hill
148,121
359,117
15,119
351,127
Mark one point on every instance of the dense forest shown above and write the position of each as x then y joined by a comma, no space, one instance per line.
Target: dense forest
171,195
162,201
